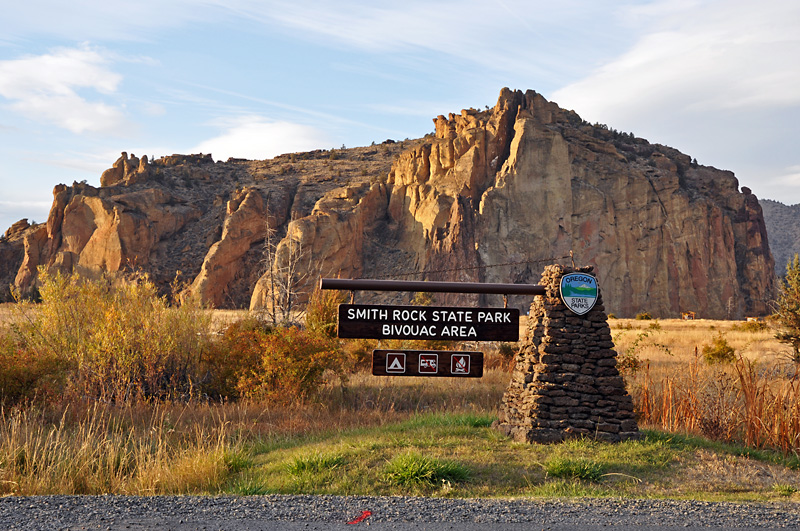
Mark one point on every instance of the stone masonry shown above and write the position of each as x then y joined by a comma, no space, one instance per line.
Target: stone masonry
565,383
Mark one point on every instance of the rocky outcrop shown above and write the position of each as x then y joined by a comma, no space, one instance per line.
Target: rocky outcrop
490,196
328,242
783,227
532,182
126,170
92,230
247,218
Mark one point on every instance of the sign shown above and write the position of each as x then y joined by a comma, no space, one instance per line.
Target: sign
459,364
374,321
579,292
427,363
395,363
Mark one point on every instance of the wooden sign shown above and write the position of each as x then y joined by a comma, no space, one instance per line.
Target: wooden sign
373,321
427,363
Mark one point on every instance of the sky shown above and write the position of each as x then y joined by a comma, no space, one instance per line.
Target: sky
84,80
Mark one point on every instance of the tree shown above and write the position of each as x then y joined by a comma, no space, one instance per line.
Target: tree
286,276
787,314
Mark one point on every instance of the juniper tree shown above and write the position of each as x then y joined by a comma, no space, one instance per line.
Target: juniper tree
787,312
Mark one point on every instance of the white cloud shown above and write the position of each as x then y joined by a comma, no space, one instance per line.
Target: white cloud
45,88
698,56
254,137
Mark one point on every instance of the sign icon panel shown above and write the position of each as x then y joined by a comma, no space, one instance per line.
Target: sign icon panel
395,363
428,363
459,364
431,363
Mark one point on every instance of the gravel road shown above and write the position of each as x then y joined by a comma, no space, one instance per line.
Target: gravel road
235,513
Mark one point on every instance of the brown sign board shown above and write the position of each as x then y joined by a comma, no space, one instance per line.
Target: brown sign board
427,363
372,321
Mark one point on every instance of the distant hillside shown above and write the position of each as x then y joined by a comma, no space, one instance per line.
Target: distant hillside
783,231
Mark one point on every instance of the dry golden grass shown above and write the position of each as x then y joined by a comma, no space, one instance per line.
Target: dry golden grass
754,400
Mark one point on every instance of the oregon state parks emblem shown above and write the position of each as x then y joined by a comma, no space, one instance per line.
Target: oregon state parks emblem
579,292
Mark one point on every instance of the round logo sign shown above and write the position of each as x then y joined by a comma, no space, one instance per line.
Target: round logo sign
579,292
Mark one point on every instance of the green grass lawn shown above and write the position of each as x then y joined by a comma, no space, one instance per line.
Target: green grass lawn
460,455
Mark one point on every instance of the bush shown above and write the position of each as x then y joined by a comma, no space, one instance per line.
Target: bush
643,316
751,326
115,338
719,351
291,365
322,311
787,308
24,376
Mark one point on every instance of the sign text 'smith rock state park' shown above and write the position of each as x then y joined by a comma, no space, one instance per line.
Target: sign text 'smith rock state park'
428,322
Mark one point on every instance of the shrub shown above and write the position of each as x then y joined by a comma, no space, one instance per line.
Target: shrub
507,350
322,311
719,351
118,338
24,376
787,308
751,326
422,298
643,316
291,365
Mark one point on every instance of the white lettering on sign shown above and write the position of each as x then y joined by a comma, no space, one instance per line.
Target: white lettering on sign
408,330
494,317
464,316
457,331
409,315
367,313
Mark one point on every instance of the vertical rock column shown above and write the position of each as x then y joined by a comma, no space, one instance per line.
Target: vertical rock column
565,383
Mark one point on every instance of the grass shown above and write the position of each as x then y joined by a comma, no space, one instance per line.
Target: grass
714,432
426,455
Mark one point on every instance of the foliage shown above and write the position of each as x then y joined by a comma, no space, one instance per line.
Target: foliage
413,469
291,365
571,468
751,326
315,462
422,298
719,350
323,310
507,351
112,338
643,316
787,308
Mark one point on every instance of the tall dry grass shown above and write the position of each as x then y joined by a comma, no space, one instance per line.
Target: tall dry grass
754,400
99,449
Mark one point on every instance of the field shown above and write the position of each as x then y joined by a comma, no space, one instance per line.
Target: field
715,429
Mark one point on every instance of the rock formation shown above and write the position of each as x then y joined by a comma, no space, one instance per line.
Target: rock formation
521,184
783,228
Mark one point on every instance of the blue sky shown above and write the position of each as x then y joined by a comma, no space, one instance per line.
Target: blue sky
82,81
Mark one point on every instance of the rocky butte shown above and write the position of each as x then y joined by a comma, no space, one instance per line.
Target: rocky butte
521,184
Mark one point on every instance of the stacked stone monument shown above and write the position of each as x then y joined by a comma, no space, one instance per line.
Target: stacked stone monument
565,383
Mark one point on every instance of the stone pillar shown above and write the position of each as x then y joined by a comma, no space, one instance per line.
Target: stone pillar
565,383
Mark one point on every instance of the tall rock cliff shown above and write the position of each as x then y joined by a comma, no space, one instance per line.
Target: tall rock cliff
491,196
783,228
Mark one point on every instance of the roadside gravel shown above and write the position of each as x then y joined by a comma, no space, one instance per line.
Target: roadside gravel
334,512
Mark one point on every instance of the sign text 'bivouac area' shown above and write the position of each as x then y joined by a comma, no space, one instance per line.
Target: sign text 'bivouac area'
428,322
